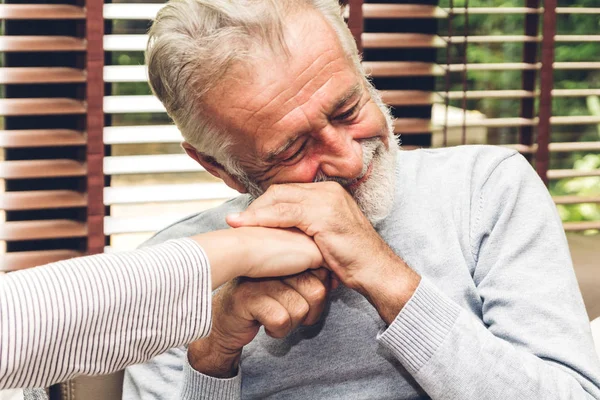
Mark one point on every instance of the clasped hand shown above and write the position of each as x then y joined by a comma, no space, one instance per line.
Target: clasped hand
346,244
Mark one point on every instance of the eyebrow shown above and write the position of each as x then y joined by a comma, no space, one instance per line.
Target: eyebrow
272,155
341,102
352,92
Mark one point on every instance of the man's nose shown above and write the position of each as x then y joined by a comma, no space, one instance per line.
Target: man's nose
341,155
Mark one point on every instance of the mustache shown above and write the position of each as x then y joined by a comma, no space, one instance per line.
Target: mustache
370,148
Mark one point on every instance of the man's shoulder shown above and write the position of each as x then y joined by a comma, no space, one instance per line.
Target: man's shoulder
475,161
206,221
467,154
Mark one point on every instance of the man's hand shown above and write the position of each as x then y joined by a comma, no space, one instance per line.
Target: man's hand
350,246
243,305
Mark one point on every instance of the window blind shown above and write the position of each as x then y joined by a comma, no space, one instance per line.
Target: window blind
51,62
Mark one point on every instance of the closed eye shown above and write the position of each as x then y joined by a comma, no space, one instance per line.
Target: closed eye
348,115
297,153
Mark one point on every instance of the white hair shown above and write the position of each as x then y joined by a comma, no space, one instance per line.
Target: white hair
193,43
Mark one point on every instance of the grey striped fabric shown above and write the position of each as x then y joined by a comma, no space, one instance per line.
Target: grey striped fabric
98,314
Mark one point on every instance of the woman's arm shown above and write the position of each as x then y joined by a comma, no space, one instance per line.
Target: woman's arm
98,314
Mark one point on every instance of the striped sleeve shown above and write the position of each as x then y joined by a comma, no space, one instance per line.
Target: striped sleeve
98,314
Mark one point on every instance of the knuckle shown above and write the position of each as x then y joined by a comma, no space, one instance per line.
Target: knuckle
280,321
316,294
301,310
282,208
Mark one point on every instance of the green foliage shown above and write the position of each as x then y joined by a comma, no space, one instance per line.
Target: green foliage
507,52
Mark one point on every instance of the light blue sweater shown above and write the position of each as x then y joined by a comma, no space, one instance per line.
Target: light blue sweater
498,314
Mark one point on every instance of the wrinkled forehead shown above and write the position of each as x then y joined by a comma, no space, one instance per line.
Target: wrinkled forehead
261,95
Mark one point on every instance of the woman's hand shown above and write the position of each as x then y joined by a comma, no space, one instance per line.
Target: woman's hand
258,252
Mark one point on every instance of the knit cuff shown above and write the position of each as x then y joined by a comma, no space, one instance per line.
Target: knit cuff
199,386
421,327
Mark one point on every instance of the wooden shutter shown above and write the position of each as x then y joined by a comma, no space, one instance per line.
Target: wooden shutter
51,132
420,55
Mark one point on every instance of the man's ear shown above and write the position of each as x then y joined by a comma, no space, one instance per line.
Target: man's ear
212,166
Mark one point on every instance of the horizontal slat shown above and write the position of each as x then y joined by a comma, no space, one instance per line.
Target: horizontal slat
164,163
409,97
521,10
492,67
41,43
519,39
42,199
439,70
489,94
581,226
132,104
142,134
125,73
29,259
576,199
574,146
491,123
41,169
41,138
41,11
575,120
131,11
167,193
576,65
493,10
45,229
518,94
380,69
401,41
521,66
516,122
492,39
558,147
117,225
401,11
125,42
571,173
41,106
408,126
577,38
41,75
577,10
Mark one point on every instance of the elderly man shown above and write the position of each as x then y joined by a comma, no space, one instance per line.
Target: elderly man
456,280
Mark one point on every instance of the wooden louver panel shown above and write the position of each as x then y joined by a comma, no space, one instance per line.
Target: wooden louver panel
47,229
48,113
41,11
27,169
42,199
41,138
29,259
41,75
37,106
41,43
